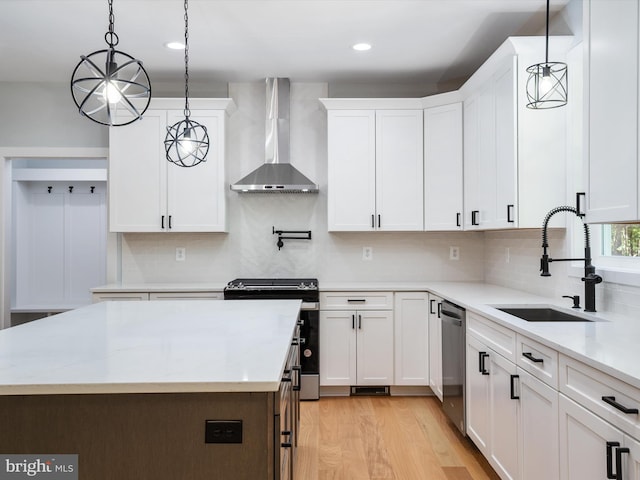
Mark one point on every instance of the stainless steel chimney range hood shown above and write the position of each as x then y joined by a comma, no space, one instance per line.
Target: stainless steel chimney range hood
276,175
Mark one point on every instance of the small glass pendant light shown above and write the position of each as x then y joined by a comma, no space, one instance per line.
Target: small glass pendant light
105,82
187,142
547,83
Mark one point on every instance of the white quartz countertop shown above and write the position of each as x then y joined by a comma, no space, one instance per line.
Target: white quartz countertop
150,347
609,343
159,287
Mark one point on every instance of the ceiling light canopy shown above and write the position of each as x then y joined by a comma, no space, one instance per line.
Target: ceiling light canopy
547,83
187,141
105,82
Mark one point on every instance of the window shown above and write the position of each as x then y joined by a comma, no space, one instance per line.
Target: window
620,240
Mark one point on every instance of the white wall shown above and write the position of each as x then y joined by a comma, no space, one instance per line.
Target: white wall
249,249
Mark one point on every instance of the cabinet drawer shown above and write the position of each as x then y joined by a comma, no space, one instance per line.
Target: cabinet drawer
499,338
356,300
537,359
185,296
588,386
122,296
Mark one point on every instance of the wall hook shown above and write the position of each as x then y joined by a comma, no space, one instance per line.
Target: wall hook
92,188
284,235
70,188
49,189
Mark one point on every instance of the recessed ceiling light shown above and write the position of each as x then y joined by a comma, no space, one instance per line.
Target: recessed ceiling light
174,45
361,47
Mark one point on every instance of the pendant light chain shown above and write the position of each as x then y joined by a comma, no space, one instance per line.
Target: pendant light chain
187,112
546,48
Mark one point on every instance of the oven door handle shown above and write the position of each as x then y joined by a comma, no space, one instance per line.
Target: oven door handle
310,306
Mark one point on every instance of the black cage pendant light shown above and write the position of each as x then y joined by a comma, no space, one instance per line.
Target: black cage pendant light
547,83
187,142
105,82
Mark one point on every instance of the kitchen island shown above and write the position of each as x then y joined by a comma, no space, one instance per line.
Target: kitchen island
131,386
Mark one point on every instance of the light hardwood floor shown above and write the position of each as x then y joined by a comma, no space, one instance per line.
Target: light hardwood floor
384,438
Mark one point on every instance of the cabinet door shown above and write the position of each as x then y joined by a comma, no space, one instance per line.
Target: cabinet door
337,348
196,195
538,435
411,325
399,170
137,176
503,418
505,83
435,346
479,159
351,170
583,442
443,167
612,27
375,347
477,393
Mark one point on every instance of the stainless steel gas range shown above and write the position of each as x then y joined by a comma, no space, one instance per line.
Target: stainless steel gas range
305,289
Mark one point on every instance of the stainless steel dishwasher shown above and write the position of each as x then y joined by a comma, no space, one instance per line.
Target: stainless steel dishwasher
453,363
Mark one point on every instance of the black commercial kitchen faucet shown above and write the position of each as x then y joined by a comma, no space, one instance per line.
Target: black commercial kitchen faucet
590,278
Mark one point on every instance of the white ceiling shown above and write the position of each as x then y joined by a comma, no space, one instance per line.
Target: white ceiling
414,41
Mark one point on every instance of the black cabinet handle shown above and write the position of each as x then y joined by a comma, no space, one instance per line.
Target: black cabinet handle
169,222
353,322
512,388
378,221
610,474
431,302
296,386
579,211
619,453
356,300
439,309
458,219
530,356
286,444
373,224
612,401
474,217
162,225
509,212
359,322
481,367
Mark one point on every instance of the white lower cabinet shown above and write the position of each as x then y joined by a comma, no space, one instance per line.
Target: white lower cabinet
412,338
538,435
435,345
512,416
591,448
492,410
356,347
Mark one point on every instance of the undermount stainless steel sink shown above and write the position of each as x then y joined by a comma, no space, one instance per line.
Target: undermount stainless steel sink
542,314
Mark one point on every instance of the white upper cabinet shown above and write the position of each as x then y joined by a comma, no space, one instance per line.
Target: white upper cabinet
375,169
611,109
147,193
514,157
443,167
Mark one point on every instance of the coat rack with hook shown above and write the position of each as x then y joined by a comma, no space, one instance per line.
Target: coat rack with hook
286,235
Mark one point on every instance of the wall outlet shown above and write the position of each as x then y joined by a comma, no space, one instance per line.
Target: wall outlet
454,253
367,253
181,254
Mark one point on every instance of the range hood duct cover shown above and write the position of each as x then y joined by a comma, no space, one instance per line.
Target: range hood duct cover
276,175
